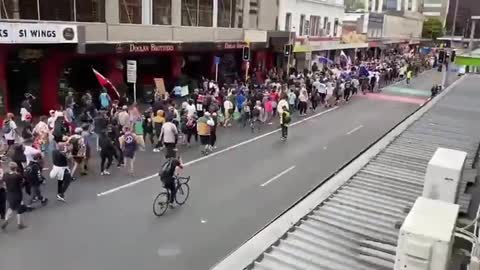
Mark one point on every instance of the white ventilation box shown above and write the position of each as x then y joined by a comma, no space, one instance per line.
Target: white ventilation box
427,235
443,175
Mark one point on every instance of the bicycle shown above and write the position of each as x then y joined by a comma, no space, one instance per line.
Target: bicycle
161,202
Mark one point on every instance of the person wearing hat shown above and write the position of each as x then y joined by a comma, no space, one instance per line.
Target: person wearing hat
78,150
204,125
14,182
124,117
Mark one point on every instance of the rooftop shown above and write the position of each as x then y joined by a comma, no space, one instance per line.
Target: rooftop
352,221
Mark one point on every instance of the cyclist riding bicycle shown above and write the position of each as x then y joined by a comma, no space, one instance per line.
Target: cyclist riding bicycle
168,174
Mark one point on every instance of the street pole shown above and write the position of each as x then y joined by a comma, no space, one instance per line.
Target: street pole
135,93
472,34
216,72
289,55
455,18
246,70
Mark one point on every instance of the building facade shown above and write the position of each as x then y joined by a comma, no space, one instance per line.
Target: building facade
49,46
436,9
316,27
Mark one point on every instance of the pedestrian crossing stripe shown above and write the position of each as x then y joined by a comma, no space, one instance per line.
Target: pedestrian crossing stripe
407,91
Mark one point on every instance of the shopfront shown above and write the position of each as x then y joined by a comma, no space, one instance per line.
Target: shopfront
178,63
31,59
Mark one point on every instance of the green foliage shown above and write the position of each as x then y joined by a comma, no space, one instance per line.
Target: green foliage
354,5
432,28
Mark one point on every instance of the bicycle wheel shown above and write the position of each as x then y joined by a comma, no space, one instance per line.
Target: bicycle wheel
183,190
160,204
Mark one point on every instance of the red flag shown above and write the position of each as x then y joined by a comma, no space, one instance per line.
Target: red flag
104,82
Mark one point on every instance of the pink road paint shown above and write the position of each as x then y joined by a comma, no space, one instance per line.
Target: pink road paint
412,100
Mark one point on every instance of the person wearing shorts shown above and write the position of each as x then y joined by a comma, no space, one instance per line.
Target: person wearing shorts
204,126
13,181
10,136
129,144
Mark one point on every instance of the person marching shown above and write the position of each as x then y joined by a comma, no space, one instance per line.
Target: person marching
33,175
60,170
204,125
129,144
285,120
13,182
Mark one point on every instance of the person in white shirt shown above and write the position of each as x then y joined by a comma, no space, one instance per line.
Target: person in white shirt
191,110
51,119
30,153
228,106
283,103
9,131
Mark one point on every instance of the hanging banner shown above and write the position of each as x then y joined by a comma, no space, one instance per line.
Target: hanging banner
159,86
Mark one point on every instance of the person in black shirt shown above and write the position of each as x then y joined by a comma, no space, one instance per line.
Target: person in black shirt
60,170
33,175
167,175
13,181
107,151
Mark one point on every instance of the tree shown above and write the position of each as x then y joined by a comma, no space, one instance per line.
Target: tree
432,28
354,5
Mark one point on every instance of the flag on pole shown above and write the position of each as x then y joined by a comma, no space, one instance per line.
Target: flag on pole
104,82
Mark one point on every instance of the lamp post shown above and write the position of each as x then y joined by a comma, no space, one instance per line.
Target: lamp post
292,43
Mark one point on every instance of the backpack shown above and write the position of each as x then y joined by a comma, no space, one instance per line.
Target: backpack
287,118
30,173
6,127
190,123
79,147
166,169
256,112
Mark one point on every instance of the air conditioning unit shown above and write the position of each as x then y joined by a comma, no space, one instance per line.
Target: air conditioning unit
426,237
443,175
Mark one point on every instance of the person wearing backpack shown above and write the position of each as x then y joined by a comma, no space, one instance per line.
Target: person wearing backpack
33,175
9,131
285,120
167,176
78,149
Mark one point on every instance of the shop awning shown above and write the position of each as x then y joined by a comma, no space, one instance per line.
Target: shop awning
302,49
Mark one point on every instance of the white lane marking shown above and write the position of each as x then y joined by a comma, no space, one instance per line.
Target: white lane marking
354,130
278,176
325,148
213,154
203,221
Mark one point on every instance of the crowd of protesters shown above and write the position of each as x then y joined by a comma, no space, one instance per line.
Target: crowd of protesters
117,128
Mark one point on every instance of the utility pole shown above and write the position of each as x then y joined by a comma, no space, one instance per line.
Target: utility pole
455,18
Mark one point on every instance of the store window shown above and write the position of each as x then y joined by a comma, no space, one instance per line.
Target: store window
335,27
130,11
197,12
19,9
288,21
162,12
302,31
90,10
230,13
253,13
315,29
325,22
57,10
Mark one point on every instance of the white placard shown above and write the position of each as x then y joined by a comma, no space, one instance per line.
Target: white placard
38,33
131,71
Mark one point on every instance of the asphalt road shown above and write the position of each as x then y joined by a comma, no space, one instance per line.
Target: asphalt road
108,224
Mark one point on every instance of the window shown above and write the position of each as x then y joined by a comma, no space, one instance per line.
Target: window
19,9
325,22
315,29
335,27
197,12
230,13
288,21
162,12
253,13
90,10
57,10
329,25
54,10
130,11
301,31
